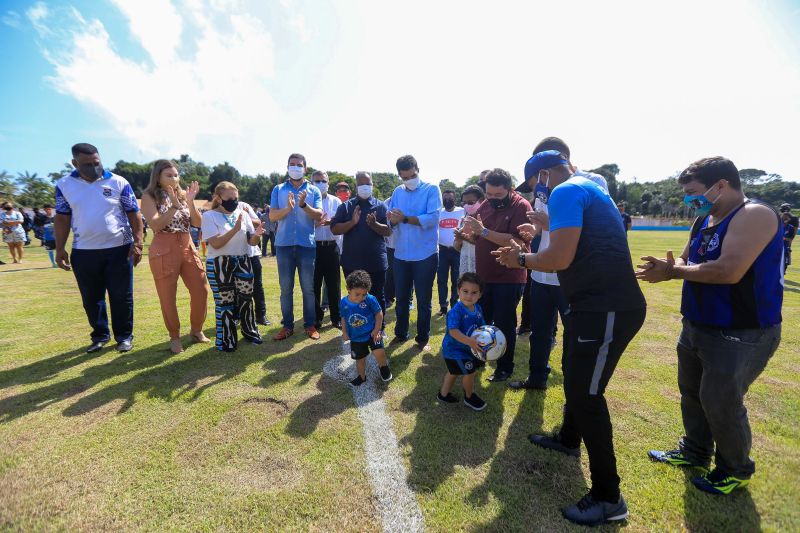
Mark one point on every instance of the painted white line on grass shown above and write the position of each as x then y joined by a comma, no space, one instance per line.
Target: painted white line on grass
395,500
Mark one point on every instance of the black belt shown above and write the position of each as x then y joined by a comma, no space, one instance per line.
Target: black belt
326,243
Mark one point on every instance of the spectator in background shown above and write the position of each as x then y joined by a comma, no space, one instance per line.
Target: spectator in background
496,224
27,225
793,220
171,212
789,231
48,232
104,216
270,228
13,234
464,241
626,218
259,302
296,205
414,214
362,221
482,179
327,261
449,218
343,192
38,222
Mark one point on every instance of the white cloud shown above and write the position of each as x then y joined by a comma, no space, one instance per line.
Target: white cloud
37,14
12,19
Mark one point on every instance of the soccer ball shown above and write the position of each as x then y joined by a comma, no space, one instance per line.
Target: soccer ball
492,343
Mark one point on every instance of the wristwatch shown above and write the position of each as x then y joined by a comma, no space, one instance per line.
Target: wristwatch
485,232
405,220
301,206
521,259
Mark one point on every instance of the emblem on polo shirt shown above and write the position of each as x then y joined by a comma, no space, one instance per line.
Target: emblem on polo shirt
363,305
107,192
468,365
713,244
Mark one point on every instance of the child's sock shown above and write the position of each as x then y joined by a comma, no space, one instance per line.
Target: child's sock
52,255
358,381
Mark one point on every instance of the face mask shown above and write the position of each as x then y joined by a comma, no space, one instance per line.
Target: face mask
229,205
498,203
296,173
412,183
364,191
322,186
702,205
471,209
91,171
449,204
343,195
542,192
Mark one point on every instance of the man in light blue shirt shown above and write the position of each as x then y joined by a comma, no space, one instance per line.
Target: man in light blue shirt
297,205
414,216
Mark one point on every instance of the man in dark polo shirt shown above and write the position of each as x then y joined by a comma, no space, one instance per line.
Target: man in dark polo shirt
362,221
496,225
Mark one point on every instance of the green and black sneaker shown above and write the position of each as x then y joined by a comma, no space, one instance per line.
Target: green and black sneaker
718,482
674,458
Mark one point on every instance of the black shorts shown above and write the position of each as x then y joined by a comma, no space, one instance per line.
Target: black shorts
359,350
462,367
49,245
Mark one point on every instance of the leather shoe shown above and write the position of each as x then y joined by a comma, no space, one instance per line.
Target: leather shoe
125,346
96,346
499,375
528,384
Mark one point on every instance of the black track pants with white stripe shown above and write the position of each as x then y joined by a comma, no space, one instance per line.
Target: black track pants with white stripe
593,344
231,280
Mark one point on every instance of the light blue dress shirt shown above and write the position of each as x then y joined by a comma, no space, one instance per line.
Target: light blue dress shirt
415,243
296,228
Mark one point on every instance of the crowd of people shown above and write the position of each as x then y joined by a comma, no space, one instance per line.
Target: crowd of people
565,255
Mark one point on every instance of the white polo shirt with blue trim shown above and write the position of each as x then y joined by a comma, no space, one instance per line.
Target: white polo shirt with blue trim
98,210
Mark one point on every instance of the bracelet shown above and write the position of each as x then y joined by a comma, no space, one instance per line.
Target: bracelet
302,206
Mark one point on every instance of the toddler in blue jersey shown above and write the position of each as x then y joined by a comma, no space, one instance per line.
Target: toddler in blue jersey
457,347
361,325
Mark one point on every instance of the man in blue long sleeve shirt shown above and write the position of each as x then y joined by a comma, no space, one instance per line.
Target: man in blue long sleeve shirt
414,216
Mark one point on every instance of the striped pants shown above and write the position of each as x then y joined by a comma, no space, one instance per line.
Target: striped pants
231,280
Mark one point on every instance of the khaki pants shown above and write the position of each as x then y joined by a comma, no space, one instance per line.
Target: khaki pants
173,255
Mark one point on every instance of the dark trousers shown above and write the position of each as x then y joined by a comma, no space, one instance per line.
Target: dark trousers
326,266
389,286
267,238
417,276
100,271
377,289
449,259
258,288
499,303
715,369
525,315
546,301
231,280
593,344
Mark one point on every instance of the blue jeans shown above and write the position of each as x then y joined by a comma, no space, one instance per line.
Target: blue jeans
300,259
419,276
545,301
100,271
499,303
449,258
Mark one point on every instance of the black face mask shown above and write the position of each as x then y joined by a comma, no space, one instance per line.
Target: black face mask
499,203
449,204
93,172
229,205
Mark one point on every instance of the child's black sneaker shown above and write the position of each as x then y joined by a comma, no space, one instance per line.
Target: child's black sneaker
358,381
386,373
474,402
446,399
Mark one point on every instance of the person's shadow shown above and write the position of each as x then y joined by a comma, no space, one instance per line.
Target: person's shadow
709,512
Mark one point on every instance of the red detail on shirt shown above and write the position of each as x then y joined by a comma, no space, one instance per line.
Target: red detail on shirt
448,223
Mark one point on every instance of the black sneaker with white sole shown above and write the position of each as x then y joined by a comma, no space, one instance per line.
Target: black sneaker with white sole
474,402
358,381
591,512
446,399
386,373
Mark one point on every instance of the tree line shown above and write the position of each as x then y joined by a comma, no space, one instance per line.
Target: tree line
662,198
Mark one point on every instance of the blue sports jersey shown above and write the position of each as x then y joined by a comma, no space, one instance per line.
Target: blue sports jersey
360,318
752,303
49,229
465,321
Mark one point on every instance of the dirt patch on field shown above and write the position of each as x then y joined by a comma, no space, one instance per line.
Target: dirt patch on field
261,471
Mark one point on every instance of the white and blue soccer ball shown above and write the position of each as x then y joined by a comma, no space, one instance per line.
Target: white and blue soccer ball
492,343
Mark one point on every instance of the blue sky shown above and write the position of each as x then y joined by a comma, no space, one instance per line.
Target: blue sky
354,84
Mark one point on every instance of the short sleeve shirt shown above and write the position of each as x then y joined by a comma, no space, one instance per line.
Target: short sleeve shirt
98,210
296,228
503,220
359,317
362,247
465,321
216,223
448,222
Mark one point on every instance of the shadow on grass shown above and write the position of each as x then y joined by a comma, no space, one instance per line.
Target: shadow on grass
45,369
709,512
334,398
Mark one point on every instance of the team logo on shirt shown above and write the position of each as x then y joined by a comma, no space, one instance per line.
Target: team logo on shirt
107,192
357,321
713,244
363,305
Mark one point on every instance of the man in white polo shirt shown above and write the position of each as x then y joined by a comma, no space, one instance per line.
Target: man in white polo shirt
102,212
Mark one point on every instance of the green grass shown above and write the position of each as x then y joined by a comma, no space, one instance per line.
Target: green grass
260,440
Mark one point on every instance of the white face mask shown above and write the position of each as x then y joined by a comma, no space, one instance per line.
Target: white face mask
412,183
296,173
364,191
322,186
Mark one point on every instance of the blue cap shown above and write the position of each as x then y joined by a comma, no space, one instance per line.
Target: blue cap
541,161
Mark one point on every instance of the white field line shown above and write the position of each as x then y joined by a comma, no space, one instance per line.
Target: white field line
395,500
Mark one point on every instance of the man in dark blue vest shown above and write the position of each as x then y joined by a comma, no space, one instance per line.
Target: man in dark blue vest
731,307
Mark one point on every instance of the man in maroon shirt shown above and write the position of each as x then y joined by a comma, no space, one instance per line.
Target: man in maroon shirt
496,225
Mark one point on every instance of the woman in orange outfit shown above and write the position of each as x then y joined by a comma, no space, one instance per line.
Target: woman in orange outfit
169,210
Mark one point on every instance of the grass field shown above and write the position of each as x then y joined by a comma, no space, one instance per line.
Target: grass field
261,440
